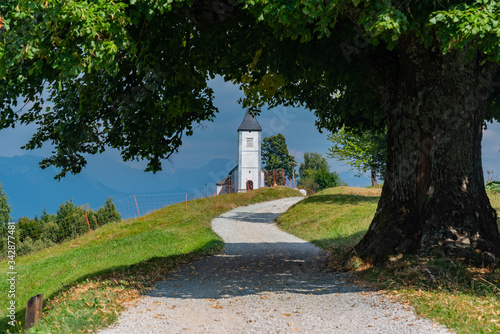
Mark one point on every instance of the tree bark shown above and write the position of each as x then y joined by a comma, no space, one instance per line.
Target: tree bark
433,198
374,177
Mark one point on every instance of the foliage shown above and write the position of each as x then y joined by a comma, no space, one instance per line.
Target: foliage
118,263
312,161
326,179
70,222
315,173
494,185
275,156
5,208
105,68
366,151
132,75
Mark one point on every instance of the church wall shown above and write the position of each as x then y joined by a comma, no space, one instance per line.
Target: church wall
234,181
249,160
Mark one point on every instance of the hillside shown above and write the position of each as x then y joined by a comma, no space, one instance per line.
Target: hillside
87,280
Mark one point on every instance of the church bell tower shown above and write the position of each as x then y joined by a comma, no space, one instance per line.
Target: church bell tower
249,154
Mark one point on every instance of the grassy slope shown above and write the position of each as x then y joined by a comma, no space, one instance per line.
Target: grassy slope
463,298
333,219
86,280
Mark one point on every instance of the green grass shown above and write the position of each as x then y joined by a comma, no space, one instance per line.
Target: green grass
334,219
85,281
465,299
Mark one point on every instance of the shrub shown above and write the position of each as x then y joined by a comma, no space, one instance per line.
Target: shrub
108,213
494,185
28,228
51,232
24,247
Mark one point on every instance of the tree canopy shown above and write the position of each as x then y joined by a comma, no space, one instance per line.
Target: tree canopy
275,156
133,75
315,173
366,151
312,161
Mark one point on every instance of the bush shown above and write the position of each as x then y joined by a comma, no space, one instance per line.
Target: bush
28,228
51,232
495,185
326,179
316,180
24,247
108,213
29,246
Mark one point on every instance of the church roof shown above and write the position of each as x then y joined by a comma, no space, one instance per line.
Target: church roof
224,181
249,123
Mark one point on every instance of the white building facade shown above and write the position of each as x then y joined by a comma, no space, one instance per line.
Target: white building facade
248,174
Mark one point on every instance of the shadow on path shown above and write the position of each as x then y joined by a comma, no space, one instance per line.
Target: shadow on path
268,267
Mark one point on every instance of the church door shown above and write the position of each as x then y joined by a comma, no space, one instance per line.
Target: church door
250,184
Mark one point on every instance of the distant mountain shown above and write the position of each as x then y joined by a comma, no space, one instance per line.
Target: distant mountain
31,189
128,180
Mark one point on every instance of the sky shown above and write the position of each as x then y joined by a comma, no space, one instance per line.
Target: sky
218,139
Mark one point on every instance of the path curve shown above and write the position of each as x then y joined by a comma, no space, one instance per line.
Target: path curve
265,281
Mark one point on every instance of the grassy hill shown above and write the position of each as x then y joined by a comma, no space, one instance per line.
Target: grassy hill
464,298
85,281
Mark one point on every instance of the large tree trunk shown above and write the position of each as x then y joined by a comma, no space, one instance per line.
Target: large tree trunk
433,197
373,173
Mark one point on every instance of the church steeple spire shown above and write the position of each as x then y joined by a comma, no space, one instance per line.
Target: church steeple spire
249,123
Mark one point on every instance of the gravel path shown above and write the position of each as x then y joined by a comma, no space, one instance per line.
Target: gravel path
265,281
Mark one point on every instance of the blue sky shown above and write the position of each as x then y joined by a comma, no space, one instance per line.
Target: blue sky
219,139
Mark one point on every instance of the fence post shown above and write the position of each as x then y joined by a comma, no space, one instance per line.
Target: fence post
187,212
137,206
33,311
215,197
229,191
87,220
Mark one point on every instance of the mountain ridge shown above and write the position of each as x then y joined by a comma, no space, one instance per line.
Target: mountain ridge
31,190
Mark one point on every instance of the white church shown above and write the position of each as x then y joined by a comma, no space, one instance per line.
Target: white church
248,174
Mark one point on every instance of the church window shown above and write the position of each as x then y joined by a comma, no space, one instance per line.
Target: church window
249,142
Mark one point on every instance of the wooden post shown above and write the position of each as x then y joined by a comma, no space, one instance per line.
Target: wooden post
137,206
87,220
33,311
229,191
187,212
215,197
